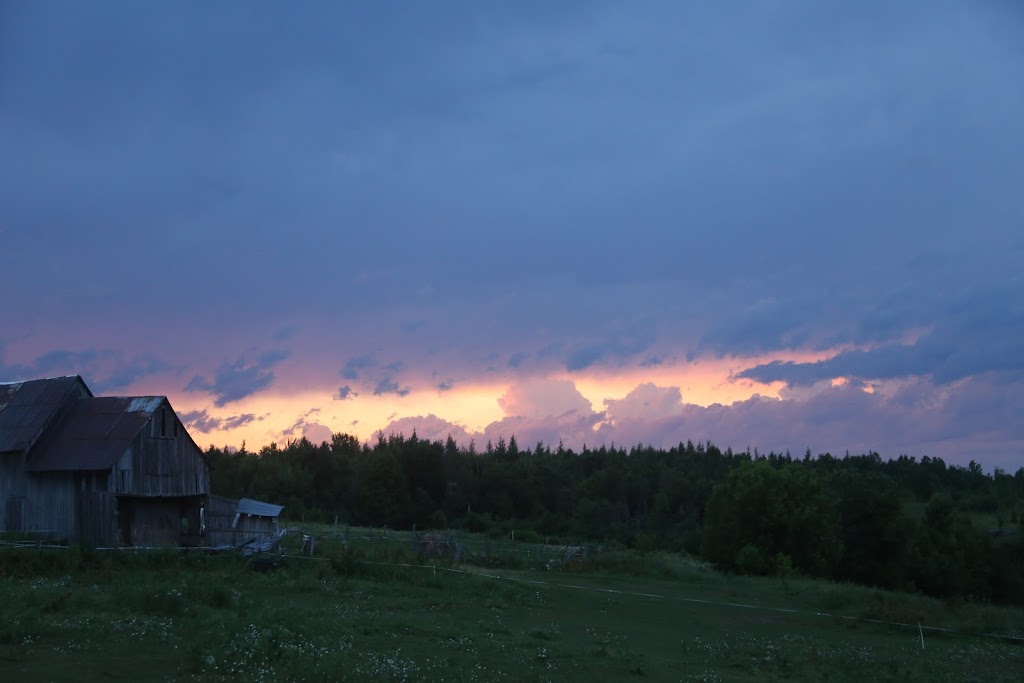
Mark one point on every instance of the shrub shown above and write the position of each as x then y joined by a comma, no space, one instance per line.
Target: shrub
750,560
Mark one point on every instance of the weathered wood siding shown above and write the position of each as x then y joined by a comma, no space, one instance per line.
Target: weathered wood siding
36,504
42,505
159,521
97,518
220,513
162,461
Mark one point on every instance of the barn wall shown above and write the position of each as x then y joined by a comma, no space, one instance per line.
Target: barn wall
11,472
158,521
162,461
36,503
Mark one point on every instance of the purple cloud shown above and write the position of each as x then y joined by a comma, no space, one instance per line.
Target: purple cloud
233,381
202,421
389,386
355,365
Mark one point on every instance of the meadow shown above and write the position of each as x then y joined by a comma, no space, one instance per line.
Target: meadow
358,614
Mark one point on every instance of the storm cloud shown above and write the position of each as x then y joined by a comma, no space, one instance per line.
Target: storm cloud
515,197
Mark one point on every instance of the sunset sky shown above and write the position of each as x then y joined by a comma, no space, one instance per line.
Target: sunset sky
781,225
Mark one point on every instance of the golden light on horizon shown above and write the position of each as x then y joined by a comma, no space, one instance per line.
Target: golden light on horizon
280,416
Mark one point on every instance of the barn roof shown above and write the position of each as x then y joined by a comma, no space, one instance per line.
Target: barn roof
248,506
95,433
26,408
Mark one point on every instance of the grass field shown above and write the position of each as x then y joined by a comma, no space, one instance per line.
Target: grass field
78,616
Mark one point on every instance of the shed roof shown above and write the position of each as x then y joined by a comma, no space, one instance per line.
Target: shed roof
95,433
26,408
248,506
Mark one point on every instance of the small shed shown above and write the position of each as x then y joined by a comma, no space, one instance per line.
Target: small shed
231,522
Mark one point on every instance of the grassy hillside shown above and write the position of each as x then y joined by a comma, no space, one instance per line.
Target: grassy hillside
167,617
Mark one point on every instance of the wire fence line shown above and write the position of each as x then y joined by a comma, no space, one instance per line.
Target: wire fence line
433,544
449,545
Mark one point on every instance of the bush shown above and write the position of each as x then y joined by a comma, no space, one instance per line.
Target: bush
750,560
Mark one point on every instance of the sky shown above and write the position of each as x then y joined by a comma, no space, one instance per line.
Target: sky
780,225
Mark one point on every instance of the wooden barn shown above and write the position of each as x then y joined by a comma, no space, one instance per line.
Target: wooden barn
112,470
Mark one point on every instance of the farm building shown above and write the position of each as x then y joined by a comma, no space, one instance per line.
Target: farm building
111,470
231,522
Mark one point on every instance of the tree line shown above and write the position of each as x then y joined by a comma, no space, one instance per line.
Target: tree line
903,523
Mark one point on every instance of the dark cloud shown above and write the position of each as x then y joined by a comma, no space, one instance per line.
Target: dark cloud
628,342
651,362
389,386
104,370
345,393
446,385
235,421
766,324
202,421
355,365
131,371
516,359
826,176
978,332
584,356
233,381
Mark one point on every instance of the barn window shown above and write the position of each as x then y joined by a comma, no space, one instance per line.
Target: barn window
163,422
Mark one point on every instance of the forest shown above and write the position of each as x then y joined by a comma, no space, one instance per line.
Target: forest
906,524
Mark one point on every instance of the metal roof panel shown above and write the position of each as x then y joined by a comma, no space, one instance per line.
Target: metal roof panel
93,436
248,506
26,408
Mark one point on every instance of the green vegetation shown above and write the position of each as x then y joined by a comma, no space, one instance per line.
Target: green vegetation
80,615
915,526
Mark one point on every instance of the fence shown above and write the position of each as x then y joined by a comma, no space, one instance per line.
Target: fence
481,551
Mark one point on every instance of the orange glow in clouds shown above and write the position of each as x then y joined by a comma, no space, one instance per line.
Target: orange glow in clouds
473,406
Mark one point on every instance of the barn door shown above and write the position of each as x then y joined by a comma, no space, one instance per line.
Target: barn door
96,520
